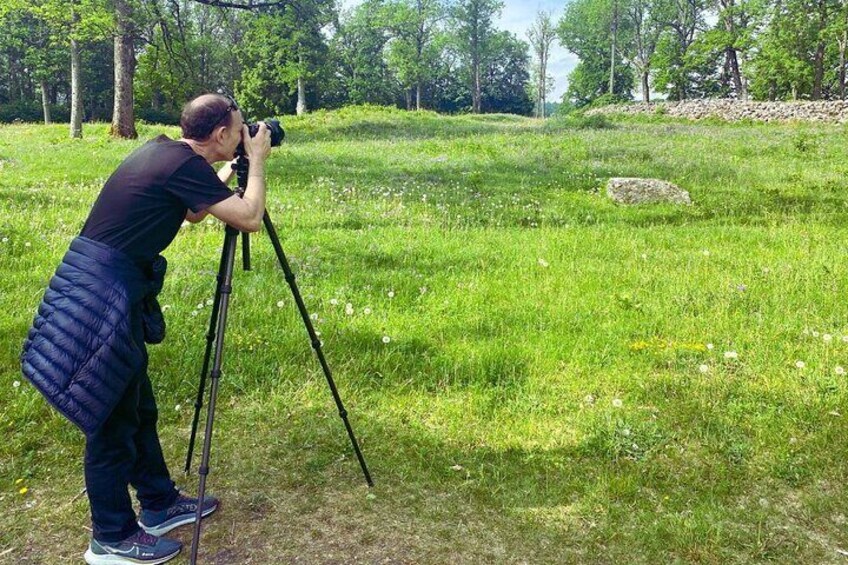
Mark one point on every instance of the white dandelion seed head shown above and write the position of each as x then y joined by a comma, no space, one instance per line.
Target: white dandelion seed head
845,339
349,309
706,252
423,289
386,339
199,306
590,399
178,407
280,303
827,338
625,432
731,355
644,256
194,312
27,244
704,368
814,333
710,346
334,301
5,240
16,384
616,402
313,317
839,370
209,302
391,294
800,364
366,311
543,263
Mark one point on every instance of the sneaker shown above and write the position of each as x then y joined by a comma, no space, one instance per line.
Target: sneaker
140,547
182,511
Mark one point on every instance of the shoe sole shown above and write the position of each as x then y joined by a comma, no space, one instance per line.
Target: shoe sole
166,527
111,559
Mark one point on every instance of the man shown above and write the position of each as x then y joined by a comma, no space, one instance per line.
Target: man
86,350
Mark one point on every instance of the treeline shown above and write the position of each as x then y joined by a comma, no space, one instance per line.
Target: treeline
129,59
760,49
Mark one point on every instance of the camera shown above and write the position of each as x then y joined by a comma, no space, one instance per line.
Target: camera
277,133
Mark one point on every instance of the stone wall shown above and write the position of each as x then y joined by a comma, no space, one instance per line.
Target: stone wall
835,111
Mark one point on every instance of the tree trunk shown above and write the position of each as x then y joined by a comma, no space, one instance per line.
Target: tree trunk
123,119
76,89
418,96
45,102
646,92
301,96
475,94
842,44
612,50
818,66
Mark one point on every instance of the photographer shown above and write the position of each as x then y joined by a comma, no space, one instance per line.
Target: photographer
86,350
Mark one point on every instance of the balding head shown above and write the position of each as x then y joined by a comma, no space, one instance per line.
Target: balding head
201,115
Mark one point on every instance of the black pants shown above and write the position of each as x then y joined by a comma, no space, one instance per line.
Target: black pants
126,451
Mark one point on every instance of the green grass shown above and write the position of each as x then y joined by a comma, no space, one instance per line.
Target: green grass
547,394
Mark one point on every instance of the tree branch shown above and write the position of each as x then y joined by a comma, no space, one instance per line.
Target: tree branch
246,4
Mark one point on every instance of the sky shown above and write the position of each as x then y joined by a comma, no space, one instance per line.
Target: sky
517,17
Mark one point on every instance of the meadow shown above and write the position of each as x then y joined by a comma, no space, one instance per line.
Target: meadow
535,374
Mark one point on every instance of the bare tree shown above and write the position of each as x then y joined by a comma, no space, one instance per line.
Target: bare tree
541,35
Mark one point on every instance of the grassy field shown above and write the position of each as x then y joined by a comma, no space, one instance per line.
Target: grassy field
535,374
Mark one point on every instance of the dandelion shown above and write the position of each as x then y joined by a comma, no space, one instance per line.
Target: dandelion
814,333
280,303
731,355
741,287
644,256
590,399
423,290
706,252
391,294
366,311
194,312
457,468
166,307
23,490
386,339
178,407
27,244
839,370
334,301
313,317
16,384
209,222
5,240
800,364
19,481
625,432
349,309
766,270
617,403
710,346
543,263
827,338
704,368
209,302
199,306
845,339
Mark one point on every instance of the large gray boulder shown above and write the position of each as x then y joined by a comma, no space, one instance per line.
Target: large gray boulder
645,191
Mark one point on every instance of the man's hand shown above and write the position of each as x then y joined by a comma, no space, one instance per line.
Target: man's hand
257,147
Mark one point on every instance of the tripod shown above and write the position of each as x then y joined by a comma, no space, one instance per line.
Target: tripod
215,337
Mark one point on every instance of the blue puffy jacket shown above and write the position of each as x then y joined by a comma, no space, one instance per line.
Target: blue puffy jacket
80,352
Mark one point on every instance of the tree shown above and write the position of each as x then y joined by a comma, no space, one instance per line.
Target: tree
411,52
646,21
586,29
541,36
474,31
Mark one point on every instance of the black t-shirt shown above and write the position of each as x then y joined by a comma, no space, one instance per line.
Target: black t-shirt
144,202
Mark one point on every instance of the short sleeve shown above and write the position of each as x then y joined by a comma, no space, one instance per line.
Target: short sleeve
197,185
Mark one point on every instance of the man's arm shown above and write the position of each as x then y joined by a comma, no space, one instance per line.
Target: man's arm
225,173
245,213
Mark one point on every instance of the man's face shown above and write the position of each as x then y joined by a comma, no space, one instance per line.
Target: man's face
232,135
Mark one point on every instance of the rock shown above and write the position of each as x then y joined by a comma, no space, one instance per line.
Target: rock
645,191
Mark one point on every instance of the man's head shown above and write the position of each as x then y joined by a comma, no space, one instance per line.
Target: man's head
215,121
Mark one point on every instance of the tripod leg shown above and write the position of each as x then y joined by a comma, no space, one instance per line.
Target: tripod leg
316,343
226,290
245,250
210,339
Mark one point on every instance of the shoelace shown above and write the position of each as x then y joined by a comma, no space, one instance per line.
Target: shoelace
143,538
